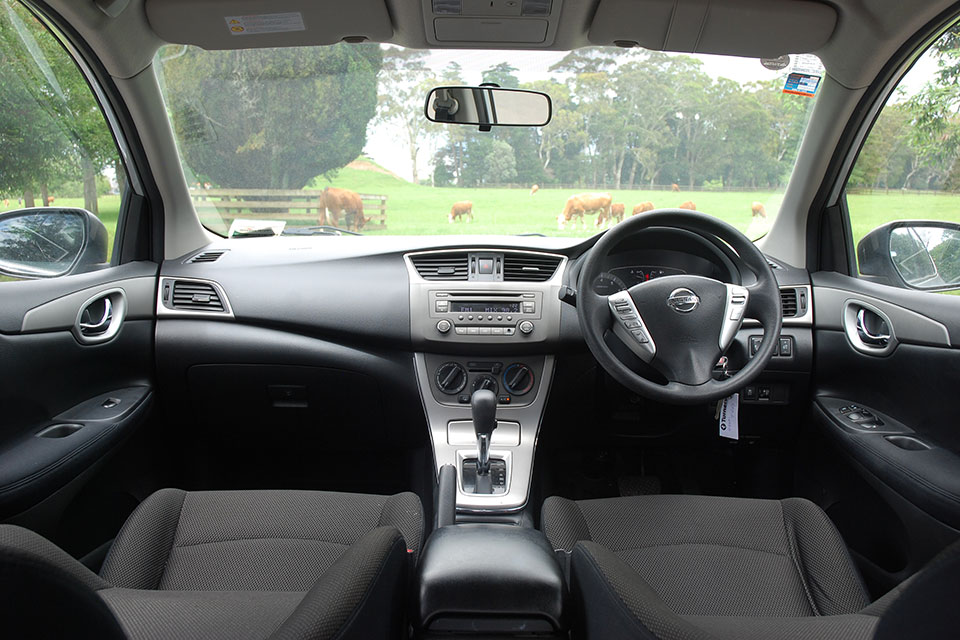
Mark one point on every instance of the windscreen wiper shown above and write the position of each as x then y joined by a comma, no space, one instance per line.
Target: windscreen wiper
321,230
525,235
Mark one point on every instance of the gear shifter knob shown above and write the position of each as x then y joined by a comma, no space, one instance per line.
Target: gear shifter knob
483,405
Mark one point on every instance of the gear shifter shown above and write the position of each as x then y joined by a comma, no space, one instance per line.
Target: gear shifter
483,405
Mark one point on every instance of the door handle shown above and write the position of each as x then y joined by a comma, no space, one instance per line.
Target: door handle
877,338
99,326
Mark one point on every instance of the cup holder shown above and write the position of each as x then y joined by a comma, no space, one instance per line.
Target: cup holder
60,430
908,443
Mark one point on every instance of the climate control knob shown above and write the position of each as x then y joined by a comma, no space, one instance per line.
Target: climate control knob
451,378
444,326
517,379
485,382
526,327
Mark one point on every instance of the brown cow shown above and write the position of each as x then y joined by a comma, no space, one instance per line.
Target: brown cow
585,203
463,208
616,212
534,189
349,202
642,207
758,210
689,205
674,187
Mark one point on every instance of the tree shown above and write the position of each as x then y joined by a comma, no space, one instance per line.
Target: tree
500,163
404,83
50,109
272,118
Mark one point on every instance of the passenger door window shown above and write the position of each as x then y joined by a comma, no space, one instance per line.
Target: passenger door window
56,152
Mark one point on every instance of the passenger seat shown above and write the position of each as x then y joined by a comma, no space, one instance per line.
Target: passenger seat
225,564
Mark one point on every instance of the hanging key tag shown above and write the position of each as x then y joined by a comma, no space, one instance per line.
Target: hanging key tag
729,410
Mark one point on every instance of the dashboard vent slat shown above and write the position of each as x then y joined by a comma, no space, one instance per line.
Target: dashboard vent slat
788,303
529,267
206,256
196,296
441,266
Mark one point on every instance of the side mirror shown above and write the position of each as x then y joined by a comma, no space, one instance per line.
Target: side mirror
46,242
913,254
488,106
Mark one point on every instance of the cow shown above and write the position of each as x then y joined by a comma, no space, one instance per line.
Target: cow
534,189
689,205
585,203
675,187
642,207
349,202
464,209
616,212
758,210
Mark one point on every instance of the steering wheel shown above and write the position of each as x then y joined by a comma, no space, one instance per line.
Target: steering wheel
681,324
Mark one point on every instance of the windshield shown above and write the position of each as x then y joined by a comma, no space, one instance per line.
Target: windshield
315,139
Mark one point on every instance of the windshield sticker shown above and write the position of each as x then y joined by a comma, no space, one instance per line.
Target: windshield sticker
802,84
246,228
265,23
776,64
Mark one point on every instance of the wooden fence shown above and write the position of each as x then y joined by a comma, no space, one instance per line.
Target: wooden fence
287,204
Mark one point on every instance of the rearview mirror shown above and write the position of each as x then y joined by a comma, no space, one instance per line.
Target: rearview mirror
488,106
46,242
915,254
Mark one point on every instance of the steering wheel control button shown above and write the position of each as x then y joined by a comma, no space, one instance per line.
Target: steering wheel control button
444,326
683,300
526,327
629,326
733,315
451,378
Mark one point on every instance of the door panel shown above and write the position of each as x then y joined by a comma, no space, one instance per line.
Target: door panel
68,401
891,411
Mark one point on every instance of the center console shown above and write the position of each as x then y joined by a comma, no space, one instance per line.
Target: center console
482,320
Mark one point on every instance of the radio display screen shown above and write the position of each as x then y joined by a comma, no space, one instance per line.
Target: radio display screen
485,307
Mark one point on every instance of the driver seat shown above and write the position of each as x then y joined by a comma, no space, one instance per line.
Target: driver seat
695,567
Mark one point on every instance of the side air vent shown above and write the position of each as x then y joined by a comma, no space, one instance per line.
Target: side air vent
441,266
196,296
522,267
793,302
206,256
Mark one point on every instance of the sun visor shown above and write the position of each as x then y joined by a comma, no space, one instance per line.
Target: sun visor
234,24
750,28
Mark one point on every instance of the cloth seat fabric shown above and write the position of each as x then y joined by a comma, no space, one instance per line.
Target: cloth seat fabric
241,564
692,567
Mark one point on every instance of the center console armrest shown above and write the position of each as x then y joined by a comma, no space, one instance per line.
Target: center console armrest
491,579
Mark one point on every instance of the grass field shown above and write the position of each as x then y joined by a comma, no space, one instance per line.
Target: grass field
421,210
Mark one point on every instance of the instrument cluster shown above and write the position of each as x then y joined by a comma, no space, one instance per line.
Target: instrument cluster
622,278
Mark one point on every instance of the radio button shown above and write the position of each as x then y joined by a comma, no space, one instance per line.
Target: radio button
460,317
444,326
472,331
461,331
469,317
509,331
526,327
509,318
499,318
485,331
529,307
443,306
498,331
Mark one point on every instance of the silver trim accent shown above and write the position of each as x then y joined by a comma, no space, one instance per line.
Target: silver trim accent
164,311
519,459
628,325
734,312
683,300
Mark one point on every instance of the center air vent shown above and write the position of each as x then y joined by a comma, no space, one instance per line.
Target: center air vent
441,266
196,296
520,267
793,302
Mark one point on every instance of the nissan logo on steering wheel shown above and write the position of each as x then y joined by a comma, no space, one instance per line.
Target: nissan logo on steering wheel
683,300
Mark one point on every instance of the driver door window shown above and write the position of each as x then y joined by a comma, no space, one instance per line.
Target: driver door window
909,170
